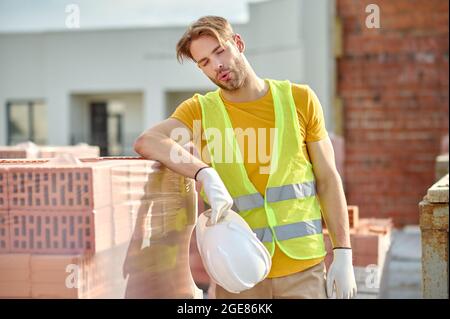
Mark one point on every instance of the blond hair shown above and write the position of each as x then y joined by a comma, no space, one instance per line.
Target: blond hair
214,26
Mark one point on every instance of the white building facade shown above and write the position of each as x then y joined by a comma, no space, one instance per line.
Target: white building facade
105,87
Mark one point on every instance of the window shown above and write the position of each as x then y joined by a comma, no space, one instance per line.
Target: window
27,121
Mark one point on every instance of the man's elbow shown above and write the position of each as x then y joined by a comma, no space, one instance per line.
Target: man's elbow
137,146
332,179
141,144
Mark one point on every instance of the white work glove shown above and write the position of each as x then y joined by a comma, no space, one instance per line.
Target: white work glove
341,275
218,197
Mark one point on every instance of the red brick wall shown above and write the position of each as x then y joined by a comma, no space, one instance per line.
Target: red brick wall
394,85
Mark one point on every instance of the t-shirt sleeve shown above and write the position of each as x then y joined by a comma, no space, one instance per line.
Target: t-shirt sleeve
188,112
315,121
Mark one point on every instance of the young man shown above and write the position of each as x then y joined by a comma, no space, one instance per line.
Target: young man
281,196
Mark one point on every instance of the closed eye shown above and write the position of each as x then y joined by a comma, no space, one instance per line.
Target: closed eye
217,50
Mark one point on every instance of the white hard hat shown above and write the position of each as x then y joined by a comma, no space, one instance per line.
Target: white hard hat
231,253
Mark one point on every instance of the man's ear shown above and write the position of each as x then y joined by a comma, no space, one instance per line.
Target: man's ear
239,42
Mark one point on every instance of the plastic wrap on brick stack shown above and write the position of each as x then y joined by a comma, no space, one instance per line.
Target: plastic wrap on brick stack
96,228
199,273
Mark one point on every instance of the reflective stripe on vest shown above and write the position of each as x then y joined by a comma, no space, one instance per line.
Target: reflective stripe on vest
247,202
285,232
275,194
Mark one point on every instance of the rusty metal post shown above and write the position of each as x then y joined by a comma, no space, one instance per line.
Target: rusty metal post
434,228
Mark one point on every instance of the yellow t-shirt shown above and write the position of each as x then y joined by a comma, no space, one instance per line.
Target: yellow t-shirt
256,115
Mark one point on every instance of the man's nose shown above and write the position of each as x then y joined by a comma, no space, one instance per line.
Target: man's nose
219,66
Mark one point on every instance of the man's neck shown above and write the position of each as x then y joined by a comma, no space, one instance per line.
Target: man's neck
253,89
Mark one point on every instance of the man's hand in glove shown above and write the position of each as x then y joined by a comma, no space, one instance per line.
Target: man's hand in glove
218,197
341,275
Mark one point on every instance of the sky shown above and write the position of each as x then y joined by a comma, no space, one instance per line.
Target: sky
49,15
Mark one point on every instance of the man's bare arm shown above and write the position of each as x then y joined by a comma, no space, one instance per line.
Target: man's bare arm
330,191
160,143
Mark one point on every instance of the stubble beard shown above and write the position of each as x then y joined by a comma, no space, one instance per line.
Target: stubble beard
238,77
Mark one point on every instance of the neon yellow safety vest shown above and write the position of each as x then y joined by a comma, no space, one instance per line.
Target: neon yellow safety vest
289,213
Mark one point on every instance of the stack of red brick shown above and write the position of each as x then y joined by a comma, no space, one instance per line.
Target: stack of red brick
199,273
113,227
370,239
